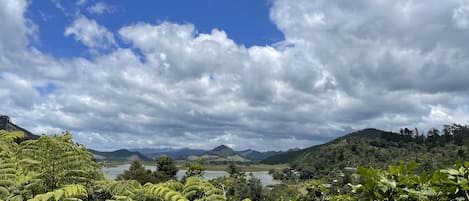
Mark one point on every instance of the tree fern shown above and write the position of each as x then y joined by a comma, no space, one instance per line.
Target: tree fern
11,174
123,188
196,188
163,192
58,161
71,192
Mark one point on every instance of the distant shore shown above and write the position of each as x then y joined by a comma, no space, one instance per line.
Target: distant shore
180,165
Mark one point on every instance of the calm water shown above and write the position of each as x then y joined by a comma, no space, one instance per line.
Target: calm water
112,172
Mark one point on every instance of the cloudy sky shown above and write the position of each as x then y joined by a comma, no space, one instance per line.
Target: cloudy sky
260,74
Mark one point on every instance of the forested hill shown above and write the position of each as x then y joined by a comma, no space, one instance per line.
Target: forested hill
376,148
289,157
6,124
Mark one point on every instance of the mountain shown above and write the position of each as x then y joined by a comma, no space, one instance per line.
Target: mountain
221,151
119,155
6,124
257,155
177,154
219,155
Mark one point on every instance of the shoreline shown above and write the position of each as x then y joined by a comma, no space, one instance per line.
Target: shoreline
209,167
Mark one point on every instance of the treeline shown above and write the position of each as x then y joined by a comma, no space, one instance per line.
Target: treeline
454,133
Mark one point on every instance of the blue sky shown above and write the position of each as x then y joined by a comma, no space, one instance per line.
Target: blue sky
247,22
267,75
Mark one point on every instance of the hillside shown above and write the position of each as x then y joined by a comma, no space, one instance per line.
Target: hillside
376,148
222,151
257,155
219,155
121,155
291,156
6,124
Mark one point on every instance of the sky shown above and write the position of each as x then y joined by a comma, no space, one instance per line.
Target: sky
264,74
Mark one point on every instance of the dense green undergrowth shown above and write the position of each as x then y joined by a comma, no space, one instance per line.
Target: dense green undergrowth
54,168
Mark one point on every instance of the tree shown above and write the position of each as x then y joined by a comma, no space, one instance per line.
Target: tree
255,188
165,169
137,172
51,167
194,170
57,161
235,171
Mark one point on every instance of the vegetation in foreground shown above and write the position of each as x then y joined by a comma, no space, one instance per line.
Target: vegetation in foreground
56,168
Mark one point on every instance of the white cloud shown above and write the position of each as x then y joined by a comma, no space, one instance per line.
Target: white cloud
14,27
461,17
81,2
343,66
100,8
90,33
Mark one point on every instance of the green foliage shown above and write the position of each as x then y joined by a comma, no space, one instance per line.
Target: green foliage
255,188
237,187
194,170
163,192
58,161
137,172
401,183
123,188
235,171
53,168
65,193
194,189
165,169
44,168
283,192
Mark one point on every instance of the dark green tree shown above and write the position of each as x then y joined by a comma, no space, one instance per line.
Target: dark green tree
165,169
255,188
194,169
235,171
137,172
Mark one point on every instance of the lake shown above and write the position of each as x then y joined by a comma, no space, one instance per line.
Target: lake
264,176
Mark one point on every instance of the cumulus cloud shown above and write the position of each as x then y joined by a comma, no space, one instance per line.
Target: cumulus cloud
344,65
90,33
15,27
100,8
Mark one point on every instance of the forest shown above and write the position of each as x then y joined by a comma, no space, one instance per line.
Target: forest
54,167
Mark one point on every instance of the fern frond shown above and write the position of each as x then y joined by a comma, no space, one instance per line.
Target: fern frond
71,192
163,192
10,136
123,188
196,188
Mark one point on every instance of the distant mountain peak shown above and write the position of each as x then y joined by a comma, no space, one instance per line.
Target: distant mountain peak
222,151
221,147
